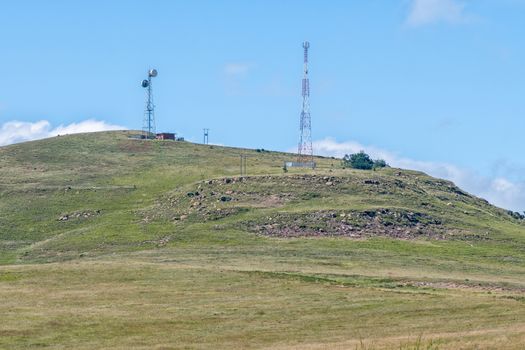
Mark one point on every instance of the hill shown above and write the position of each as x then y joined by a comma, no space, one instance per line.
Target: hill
108,241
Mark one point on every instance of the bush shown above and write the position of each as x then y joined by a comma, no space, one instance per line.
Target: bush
359,160
380,163
362,161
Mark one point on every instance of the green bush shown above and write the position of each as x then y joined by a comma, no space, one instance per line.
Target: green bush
380,163
362,161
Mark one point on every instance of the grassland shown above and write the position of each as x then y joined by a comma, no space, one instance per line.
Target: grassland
111,242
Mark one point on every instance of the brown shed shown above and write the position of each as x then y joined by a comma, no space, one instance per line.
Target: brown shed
165,136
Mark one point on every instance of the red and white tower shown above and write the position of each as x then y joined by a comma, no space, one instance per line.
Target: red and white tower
305,150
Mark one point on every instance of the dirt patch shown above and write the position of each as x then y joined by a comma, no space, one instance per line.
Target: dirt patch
456,285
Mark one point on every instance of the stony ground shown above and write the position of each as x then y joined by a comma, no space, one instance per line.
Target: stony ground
215,199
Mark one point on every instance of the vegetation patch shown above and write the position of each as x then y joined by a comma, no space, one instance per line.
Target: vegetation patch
362,161
9,276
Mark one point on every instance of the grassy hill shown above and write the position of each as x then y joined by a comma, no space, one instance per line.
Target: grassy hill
113,242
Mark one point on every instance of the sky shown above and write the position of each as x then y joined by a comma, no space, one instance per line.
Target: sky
431,85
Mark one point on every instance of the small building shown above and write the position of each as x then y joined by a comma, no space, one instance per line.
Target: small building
166,136
299,165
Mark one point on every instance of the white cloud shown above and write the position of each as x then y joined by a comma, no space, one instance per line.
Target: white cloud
237,69
16,131
235,74
86,126
424,12
498,190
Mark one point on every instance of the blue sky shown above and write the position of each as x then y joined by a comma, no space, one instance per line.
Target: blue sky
434,85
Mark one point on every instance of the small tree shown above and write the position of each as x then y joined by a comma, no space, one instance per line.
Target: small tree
362,161
359,160
380,163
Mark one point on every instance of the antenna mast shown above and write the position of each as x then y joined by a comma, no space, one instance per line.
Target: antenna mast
305,150
148,126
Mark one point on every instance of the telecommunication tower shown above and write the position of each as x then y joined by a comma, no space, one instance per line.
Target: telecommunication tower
305,150
148,126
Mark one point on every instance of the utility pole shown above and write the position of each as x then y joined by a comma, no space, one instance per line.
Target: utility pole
243,164
206,134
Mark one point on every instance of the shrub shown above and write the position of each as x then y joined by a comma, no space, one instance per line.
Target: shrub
359,160
362,161
380,163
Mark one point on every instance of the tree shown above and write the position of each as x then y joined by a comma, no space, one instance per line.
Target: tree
359,160
362,161
380,163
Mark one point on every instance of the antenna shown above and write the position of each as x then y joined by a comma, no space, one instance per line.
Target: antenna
148,126
305,150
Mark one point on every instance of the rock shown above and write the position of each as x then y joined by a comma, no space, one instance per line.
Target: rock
225,199
371,182
329,183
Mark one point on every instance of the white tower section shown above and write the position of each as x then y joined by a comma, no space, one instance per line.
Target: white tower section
305,150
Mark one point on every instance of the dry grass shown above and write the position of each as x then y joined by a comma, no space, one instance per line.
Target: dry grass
127,304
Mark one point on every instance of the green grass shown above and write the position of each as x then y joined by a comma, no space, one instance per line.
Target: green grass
152,267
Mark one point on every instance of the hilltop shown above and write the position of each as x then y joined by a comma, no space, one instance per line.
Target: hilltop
143,238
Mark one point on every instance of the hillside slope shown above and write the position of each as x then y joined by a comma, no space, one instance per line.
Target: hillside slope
125,218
